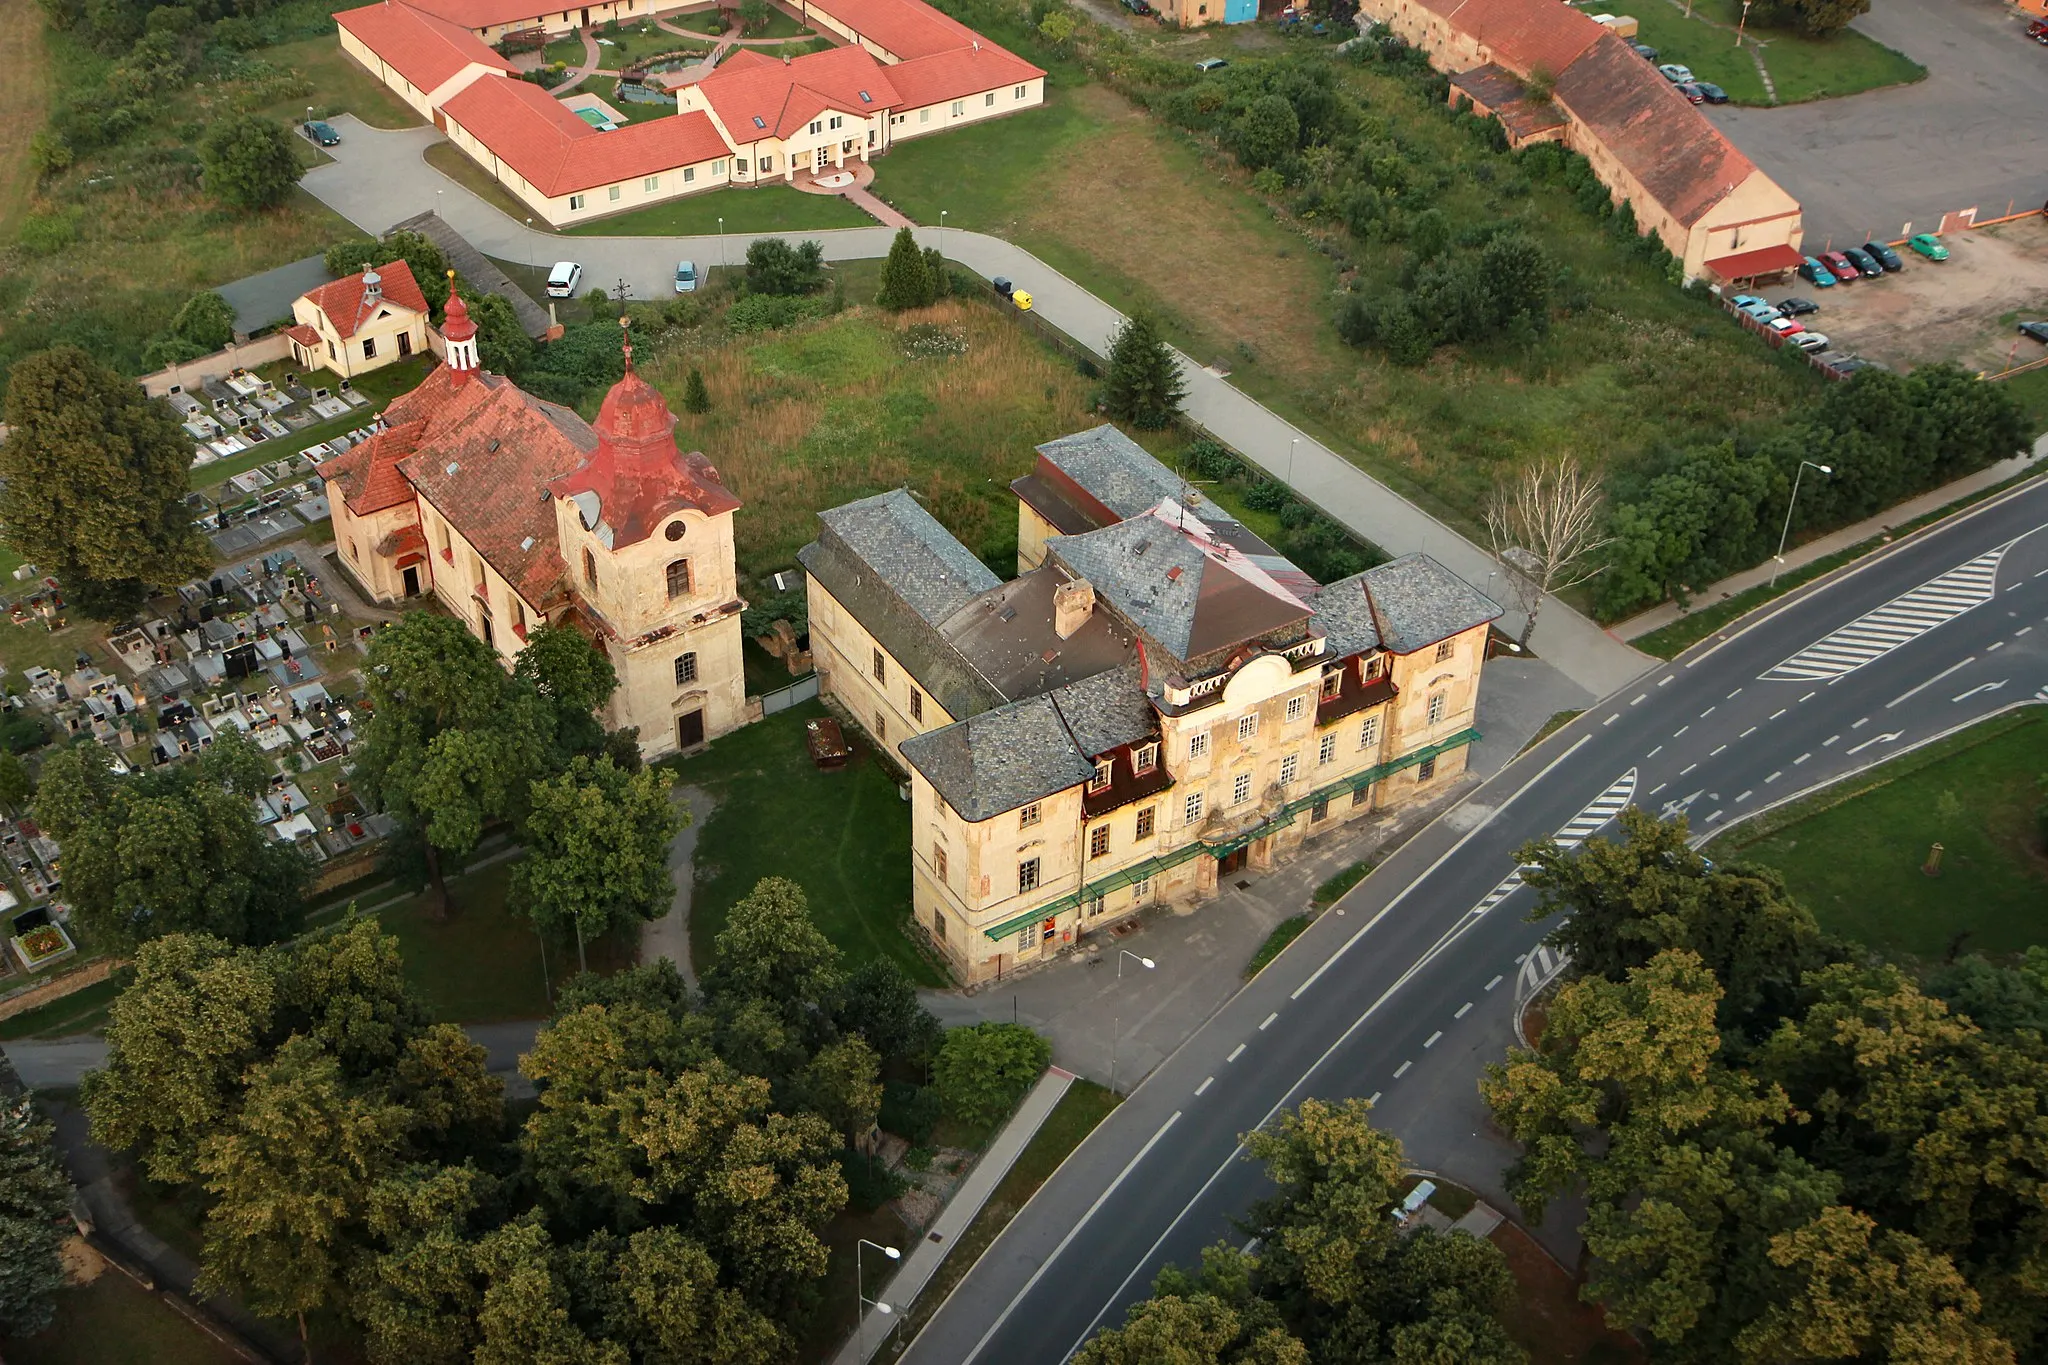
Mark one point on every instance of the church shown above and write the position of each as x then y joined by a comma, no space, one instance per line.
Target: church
511,511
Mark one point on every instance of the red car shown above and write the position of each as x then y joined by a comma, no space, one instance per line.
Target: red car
2038,31
1693,94
1844,269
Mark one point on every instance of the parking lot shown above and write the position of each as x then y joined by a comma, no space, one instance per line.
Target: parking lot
1968,135
1963,309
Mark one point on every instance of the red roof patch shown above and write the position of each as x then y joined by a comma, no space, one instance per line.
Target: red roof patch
958,74
426,50
784,96
558,153
345,303
637,473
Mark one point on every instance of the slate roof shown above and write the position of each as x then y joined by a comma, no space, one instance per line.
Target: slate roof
998,760
1107,710
1417,602
891,533
558,153
1113,469
1007,636
343,301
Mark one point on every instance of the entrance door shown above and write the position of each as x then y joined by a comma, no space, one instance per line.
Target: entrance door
412,581
690,729
405,343
1230,862
586,16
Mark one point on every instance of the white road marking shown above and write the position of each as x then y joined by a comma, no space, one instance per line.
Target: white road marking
1717,751
1680,730
1496,981
1861,723
1268,1023
1995,644
1688,768
1708,712
1774,777
1207,1081
1733,695
1981,687
1375,1097
1808,697
2024,629
1235,1053
1875,739
1611,719
1802,758
1829,740
1779,712
1402,1070
1929,683
1654,752
1463,1010
1713,817
1903,619
1666,679
1659,787
1640,700
1431,1040
1747,733
1743,796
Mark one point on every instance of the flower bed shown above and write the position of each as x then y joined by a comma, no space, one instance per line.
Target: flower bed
41,946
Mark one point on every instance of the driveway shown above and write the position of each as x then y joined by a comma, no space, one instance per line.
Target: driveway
1967,135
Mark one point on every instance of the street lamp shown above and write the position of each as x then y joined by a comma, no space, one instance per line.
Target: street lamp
942,244
1291,444
860,1318
1116,1026
721,243
1790,503
529,244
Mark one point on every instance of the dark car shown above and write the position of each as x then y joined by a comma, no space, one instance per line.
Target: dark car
2037,330
1796,308
1137,6
1866,264
1711,93
1884,255
1840,266
1692,92
1645,51
321,133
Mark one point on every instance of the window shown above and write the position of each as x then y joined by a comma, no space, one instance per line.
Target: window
1027,816
686,668
1145,821
678,579
939,923
959,108
816,127
1191,809
589,568
767,163
1333,683
1019,92
1145,758
612,193
739,164
1098,841
1320,810
1141,890
837,121
575,203
1247,726
369,348
1426,771
989,100
1372,667
1027,876
1104,768
1327,749
1296,708
1360,795
881,727
916,704
1096,905
924,116
1025,943
1241,789
1289,766
939,862
1368,732
881,667
1436,707
651,183
718,166
689,176
1443,652
1198,744
330,351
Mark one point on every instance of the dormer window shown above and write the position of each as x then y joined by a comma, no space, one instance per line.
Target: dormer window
1333,683
1373,666
1145,758
1104,767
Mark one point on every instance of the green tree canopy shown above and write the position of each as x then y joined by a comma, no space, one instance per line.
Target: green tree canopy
34,1197
983,1070
696,398
1143,385
1815,18
206,320
574,677
597,849
429,265
1267,131
95,483
776,267
880,1003
770,950
906,279
249,162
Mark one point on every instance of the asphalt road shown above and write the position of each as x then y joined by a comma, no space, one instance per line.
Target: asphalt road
1386,998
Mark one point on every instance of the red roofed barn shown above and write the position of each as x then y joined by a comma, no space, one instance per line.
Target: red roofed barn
360,323
513,512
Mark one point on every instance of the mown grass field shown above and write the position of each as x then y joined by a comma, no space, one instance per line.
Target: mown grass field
1801,68
114,1321
766,208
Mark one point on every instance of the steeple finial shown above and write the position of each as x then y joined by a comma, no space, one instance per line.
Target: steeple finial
626,340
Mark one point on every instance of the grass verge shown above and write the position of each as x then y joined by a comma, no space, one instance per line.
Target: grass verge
1853,852
1331,891
82,1011
764,208
115,1321
1557,721
1080,1110
1284,933
24,96
452,162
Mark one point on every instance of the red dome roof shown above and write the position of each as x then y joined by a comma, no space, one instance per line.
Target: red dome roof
457,326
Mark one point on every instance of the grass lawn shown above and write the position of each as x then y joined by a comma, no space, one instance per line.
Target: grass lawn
1079,1112
23,97
1802,68
339,86
1284,933
811,418
637,43
568,51
450,161
709,21
2031,389
82,1011
1853,854
114,1321
636,111
1825,68
779,25
841,835
768,208
1708,49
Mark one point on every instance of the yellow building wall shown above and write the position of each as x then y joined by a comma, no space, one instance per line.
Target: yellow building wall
843,653
345,357
474,592
987,104
356,539
1759,213
558,210
1032,533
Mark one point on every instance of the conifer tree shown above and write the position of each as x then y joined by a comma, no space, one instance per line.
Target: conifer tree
696,398
906,279
1143,385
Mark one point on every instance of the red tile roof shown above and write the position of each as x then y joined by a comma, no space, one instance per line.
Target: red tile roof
304,335
902,28
1524,35
638,475
558,153
784,96
481,14
958,74
1671,149
344,304
1745,265
367,474
422,48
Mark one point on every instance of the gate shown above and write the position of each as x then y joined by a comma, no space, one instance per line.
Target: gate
803,689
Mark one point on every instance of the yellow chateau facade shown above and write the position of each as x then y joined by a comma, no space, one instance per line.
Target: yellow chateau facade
1157,699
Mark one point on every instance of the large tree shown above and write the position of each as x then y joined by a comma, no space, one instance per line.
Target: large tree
774,266
34,1197
250,162
1544,525
94,483
575,678
1143,384
452,742
906,279
597,850
428,263
771,950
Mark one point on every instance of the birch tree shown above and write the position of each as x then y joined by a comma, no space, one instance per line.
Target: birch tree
1543,527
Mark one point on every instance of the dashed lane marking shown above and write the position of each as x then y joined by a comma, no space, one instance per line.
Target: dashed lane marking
1463,1010
1431,1040
1495,982
1235,1053
1268,1022
1402,1070
1207,1081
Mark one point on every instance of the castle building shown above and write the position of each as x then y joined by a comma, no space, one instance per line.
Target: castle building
1156,700
512,511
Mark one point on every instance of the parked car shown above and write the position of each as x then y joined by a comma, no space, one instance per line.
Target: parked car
1692,92
1840,266
1212,64
321,133
1815,274
1811,342
1712,93
1762,312
1746,300
1884,255
1137,6
563,279
1645,51
2038,31
1676,74
2037,330
1866,264
1796,307
1928,245
686,277
1785,327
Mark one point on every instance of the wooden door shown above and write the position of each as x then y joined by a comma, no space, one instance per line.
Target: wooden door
690,729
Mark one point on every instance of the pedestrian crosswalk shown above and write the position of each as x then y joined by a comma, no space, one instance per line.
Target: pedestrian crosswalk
1543,963
1576,831
1903,619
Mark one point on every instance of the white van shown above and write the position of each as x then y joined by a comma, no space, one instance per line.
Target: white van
563,279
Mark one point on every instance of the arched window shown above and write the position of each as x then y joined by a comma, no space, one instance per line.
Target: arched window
589,568
678,579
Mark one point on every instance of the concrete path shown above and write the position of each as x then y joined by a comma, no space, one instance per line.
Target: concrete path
1834,542
921,1262
380,178
669,936
589,67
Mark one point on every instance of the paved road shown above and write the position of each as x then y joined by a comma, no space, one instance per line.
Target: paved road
1406,994
378,179
1963,136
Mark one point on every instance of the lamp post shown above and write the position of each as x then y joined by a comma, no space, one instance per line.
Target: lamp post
1291,444
860,1318
1744,23
942,234
1116,1026
1790,503
721,243
529,244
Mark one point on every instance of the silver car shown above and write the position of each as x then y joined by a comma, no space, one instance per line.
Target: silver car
686,277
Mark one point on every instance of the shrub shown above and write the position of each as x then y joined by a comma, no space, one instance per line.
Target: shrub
771,312
250,162
46,234
776,267
869,1184
983,1071
910,1111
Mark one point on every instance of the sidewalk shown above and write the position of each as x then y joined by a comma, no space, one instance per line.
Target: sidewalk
921,1262
1822,546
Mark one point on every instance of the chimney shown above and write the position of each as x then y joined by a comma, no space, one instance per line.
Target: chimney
1072,604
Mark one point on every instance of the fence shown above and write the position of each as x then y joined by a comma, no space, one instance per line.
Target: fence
803,689
193,373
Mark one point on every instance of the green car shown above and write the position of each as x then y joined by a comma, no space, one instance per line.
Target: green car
1928,245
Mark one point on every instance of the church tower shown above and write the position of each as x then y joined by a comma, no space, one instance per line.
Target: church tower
646,538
